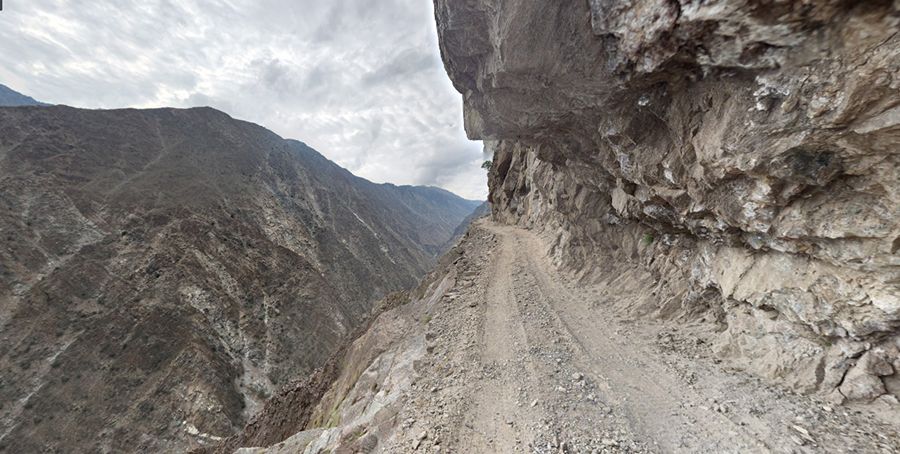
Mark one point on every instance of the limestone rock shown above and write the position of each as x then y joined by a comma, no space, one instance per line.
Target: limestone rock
743,152
863,381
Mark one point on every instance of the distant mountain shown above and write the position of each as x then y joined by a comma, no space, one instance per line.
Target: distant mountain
162,272
12,98
481,210
439,208
430,215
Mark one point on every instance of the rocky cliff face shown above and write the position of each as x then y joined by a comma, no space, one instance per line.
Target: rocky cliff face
163,272
744,153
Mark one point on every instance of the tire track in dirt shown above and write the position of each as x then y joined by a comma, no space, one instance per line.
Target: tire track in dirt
496,419
652,400
553,370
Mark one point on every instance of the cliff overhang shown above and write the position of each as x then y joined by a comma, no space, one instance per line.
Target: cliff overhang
745,152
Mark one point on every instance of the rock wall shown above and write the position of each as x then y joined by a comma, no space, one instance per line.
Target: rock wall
744,152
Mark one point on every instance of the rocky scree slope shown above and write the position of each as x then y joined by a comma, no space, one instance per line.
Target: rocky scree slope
743,153
163,272
499,351
357,402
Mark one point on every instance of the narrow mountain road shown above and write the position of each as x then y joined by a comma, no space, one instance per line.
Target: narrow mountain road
534,363
494,413
559,353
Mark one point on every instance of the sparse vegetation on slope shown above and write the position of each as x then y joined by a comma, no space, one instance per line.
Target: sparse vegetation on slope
183,266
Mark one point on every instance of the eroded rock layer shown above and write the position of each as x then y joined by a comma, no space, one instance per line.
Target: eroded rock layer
744,152
164,272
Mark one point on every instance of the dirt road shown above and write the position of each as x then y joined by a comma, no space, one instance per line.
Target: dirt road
526,361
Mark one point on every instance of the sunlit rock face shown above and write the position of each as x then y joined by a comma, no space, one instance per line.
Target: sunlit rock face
743,152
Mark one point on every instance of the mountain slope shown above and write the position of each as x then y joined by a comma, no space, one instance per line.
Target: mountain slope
684,195
12,98
499,351
164,271
482,210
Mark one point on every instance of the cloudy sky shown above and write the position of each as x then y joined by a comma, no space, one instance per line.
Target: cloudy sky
359,80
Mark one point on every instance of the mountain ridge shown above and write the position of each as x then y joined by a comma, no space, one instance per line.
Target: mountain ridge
693,243
12,98
183,266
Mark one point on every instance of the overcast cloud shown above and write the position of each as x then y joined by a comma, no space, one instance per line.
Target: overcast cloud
359,80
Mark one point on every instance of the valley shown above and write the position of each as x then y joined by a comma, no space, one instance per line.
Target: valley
690,244
506,354
165,272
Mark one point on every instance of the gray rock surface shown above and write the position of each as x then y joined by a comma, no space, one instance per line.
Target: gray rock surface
743,152
499,351
164,272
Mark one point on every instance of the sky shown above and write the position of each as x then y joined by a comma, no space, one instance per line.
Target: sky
361,81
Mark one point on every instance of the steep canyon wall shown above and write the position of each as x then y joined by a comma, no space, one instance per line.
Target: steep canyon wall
743,154
164,272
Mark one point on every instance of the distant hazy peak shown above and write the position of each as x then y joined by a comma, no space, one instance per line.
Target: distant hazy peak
12,98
